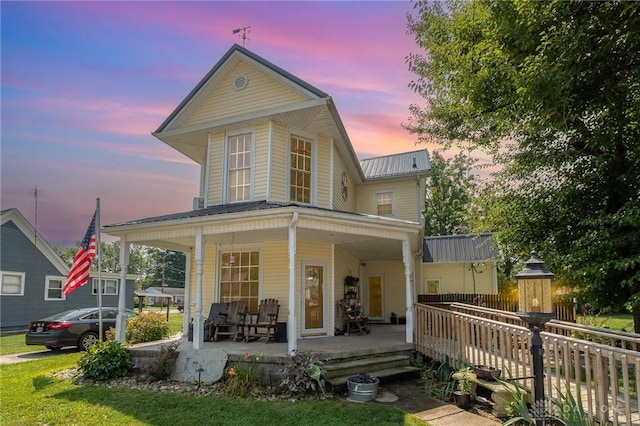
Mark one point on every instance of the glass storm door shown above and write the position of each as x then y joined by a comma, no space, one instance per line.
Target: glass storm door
313,298
375,301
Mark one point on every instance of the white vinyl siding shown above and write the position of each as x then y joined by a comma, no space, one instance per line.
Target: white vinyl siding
12,283
407,200
279,163
53,288
261,162
262,92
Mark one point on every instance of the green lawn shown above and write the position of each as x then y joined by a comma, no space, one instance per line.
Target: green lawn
623,322
35,398
14,343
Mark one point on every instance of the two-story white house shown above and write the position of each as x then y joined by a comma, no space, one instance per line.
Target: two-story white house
285,209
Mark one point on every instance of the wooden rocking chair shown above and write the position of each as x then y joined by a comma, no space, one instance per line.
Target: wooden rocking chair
353,316
215,318
232,322
263,322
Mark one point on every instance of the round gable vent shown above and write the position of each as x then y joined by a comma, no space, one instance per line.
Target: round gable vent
240,81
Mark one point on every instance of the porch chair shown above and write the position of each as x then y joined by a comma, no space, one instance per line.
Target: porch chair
263,323
232,320
215,318
353,316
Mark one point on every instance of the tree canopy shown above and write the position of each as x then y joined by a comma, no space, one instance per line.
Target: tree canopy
552,91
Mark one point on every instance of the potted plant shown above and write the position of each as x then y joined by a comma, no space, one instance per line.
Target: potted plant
394,318
363,387
462,394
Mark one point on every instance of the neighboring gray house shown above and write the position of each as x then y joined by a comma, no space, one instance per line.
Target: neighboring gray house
32,275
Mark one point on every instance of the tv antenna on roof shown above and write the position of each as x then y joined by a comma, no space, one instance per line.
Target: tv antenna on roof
244,30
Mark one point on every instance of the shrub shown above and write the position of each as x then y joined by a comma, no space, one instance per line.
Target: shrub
105,360
162,367
147,328
301,374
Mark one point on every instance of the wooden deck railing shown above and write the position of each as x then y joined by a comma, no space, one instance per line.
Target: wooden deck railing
605,379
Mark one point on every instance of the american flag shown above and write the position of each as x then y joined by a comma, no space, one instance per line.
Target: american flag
79,273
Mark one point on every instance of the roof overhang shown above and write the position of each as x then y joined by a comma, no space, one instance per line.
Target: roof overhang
366,237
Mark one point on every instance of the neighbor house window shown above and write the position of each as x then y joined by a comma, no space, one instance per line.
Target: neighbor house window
109,286
240,277
239,164
300,178
384,203
12,283
53,288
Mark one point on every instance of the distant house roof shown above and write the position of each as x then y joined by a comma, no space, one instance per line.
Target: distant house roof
13,215
167,290
459,248
403,164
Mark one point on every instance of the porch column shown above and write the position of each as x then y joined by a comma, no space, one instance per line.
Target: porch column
198,321
187,292
291,327
406,258
121,319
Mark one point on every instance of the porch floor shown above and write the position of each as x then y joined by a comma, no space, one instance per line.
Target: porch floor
383,338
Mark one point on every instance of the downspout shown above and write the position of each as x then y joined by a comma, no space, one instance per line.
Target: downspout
291,330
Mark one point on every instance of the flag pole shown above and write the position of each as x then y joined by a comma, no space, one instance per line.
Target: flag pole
99,269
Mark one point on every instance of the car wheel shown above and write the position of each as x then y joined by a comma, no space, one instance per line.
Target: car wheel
53,348
87,340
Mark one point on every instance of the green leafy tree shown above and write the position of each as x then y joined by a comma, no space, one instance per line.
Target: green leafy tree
449,196
552,91
166,267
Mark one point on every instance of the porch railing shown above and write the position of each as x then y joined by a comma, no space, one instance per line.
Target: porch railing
604,379
564,310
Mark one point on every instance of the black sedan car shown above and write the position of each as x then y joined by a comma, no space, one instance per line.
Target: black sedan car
77,327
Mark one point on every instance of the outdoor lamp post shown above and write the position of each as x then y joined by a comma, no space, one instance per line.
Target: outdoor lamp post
536,308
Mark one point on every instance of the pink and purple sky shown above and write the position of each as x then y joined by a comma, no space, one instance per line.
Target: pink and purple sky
85,83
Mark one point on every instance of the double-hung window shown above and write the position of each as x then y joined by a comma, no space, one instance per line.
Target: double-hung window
12,283
384,203
109,286
53,288
301,168
239,166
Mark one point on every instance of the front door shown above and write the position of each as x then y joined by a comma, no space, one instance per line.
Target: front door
313,299
375,291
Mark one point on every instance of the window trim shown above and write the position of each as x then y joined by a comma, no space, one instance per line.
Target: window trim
312,139
47,281
227,150
94,289
393,202
22,276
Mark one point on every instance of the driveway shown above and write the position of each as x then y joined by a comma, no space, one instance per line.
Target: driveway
30,356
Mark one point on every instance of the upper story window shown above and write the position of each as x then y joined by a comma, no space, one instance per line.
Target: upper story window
109,286
300,179
384,203
12,283
53,288
239,165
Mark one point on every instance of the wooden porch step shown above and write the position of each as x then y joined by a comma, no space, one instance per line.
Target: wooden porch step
339,383
370,364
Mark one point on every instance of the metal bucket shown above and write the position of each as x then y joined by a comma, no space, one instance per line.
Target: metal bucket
363,391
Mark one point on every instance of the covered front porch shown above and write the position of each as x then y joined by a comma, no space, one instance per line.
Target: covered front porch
295,245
